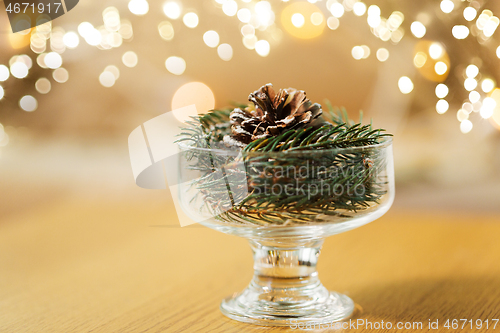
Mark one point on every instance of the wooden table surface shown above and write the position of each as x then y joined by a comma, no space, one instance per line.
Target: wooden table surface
80,265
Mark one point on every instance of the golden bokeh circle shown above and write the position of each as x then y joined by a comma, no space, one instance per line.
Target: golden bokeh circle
311,13
426,64
495,118
196,93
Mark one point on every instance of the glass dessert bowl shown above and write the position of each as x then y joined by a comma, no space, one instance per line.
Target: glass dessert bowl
286,203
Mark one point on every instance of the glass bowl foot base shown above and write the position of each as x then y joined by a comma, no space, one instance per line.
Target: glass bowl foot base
312,312
286,291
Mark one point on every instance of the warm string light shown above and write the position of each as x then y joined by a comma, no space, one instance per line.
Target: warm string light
166,30
211,38
225,52
418,29
434,62
405,85
175,65
49,43
130,59
259,31
138,7
172,10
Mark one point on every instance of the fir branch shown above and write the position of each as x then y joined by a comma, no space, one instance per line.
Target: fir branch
233,204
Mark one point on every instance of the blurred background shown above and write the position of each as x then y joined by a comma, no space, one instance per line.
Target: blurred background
72,90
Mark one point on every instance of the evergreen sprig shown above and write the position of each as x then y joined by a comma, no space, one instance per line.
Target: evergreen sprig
236,188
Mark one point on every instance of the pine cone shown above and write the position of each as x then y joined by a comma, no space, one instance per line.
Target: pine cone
271,114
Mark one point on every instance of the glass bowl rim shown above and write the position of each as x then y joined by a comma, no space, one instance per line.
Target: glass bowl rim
386,142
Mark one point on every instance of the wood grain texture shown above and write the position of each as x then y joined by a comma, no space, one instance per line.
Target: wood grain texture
87,266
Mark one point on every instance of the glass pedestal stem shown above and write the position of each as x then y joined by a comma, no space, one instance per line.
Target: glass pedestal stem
285,289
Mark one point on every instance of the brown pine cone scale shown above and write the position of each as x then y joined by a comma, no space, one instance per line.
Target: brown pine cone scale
271,114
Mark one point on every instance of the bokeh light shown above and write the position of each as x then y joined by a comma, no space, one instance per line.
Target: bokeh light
366,51
317,18
442,90
440,68
211,38
53,60
19,70
374,10
442,106
431,60
472,71
244,15
225,52
405,85
249,42
436,51
420,59
230,7
395,20
262,47
113,70
490,26
374,21
247,30
466,126
166,30
462,115
43,86
4,73
111,18
357,52
487,85
71,40
130,59
476,106
460,31
333,23
495,118
382,54
474,97
107,79
26,60
264,15
470,13
359,8
2,92
470,84
60,75
306,20
468,107
38,42
418,29
138,7
297,19
196,93
28,103
57,40
126,30
447,6
175,65
93,37
337,10
488,107
85,28
191,20
172,9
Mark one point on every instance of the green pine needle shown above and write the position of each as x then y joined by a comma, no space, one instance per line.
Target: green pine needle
223,187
